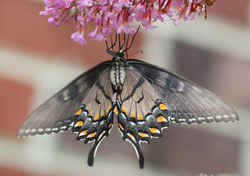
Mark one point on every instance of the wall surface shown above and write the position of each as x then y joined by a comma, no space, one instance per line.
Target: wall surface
37,59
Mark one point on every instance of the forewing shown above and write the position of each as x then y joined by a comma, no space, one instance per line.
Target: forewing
61,107
185,101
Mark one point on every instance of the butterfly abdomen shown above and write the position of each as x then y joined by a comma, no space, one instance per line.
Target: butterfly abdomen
117,75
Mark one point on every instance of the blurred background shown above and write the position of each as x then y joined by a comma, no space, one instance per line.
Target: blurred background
38,59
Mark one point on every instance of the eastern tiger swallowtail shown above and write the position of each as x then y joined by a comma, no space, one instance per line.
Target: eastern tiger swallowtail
144,98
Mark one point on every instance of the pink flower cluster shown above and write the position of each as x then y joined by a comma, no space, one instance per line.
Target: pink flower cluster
120,15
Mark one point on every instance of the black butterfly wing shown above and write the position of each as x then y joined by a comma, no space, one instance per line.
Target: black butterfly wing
186,102
62,106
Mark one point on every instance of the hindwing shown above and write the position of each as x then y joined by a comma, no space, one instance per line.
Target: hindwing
142,115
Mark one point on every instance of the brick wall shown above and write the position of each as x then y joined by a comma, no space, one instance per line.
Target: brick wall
37,59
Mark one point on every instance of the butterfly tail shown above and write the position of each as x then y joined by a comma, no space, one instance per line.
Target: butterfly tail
138,150
140,155
93,150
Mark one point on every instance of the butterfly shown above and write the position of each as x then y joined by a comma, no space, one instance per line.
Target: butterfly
143,98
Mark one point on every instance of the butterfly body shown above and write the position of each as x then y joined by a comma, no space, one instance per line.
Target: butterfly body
118,73
144,98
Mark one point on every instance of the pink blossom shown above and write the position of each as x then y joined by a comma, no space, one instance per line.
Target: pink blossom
120,15
95,35
78,36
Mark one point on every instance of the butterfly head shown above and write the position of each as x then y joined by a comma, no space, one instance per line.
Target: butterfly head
123,42
116,54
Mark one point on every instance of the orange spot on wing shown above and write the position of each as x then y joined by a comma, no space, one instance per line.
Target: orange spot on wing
96,117
143,134
163,107
78,112
140,117
79,124
109,108
84,132
132,115
120,126
125,110
161,119
91,135
154,130
110,125
102,114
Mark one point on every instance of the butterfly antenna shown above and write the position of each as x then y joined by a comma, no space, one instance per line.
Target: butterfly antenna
132,40
114,43
124,40
106,43
111,42
126,46
115,39
119,42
